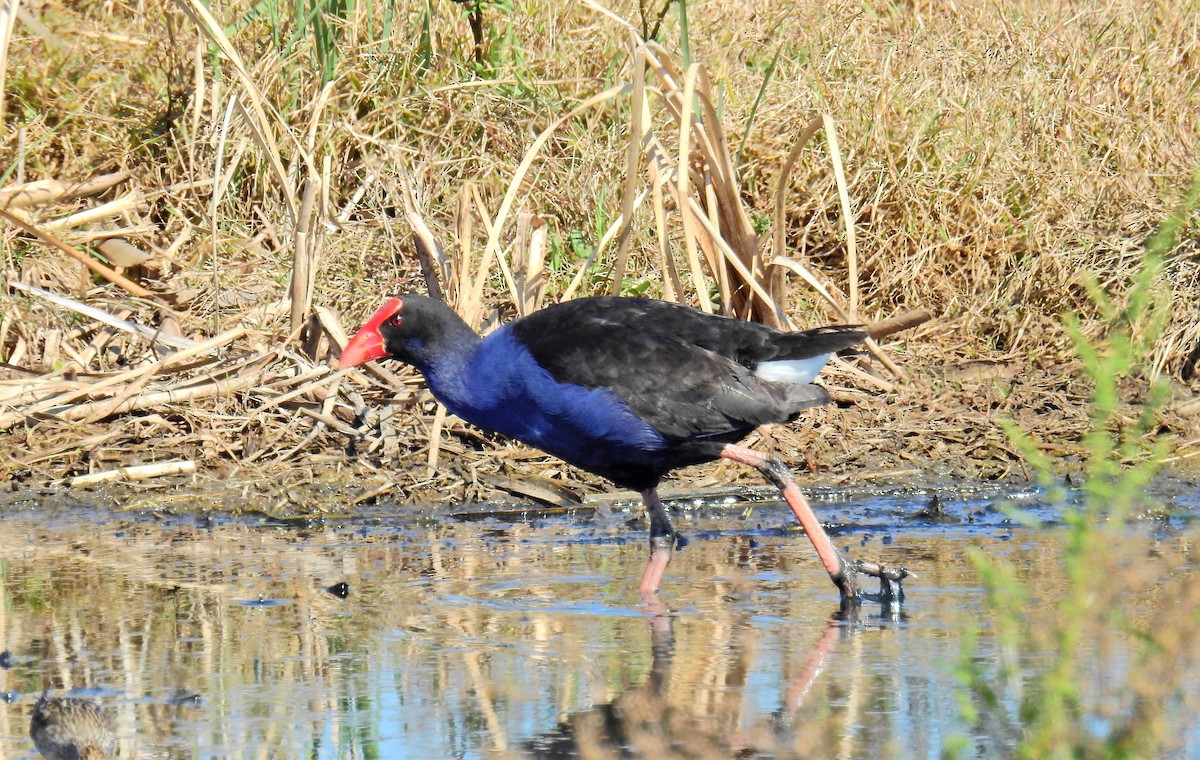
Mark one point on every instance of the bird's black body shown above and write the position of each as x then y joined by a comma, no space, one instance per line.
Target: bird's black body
688,375
627,388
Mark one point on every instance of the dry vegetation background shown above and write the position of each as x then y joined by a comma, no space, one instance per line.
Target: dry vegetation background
993,158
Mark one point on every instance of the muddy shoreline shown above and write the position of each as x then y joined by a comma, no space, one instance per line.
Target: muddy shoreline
942,427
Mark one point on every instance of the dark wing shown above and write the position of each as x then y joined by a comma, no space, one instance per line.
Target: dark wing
747,343
680,389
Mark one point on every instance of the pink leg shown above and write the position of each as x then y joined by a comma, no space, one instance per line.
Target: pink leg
779,475
662,543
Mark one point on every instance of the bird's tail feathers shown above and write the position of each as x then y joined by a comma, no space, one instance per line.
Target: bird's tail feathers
819,340
792,371
801,397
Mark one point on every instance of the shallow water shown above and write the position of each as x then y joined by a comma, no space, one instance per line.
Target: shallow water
480,635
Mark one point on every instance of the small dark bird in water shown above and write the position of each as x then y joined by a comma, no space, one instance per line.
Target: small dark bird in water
67,728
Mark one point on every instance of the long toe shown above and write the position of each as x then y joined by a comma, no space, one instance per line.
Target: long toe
891,579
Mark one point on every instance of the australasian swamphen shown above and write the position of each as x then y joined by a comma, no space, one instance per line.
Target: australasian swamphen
627,388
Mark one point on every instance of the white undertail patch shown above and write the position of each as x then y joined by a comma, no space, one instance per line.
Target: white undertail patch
792,371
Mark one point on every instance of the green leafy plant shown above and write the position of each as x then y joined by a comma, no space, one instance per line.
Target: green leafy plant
322,21
289,23
494,44
1054,716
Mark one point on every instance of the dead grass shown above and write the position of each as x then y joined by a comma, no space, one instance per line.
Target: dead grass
993,159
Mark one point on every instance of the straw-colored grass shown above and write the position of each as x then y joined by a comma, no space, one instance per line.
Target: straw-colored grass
975,162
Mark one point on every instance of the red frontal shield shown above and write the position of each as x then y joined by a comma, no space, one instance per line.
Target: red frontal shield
368,344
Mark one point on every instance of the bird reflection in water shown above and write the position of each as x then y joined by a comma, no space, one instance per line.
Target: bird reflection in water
69,728
645,722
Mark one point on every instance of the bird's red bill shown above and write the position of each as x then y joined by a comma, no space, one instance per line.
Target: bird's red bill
368,344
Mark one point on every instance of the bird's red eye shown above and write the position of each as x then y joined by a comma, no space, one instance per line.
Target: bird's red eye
395,320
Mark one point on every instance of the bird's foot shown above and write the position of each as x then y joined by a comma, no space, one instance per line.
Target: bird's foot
891,589
673,541
661,548
669,542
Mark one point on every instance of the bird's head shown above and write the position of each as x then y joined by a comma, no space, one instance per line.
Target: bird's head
410,328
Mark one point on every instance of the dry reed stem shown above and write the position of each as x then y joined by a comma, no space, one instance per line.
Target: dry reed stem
465,226
672,285
160,398
144,377
306,242
136,378
491,250
260,124
498,258
638,108
310,385
46,191
733,221
725,223
114,277
120,252
899,323
846,368
20,393
728,253
435,441
154,336
529,263
435,265
781,194
114,208
468,271
690,231
848,216
135,472
720,192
